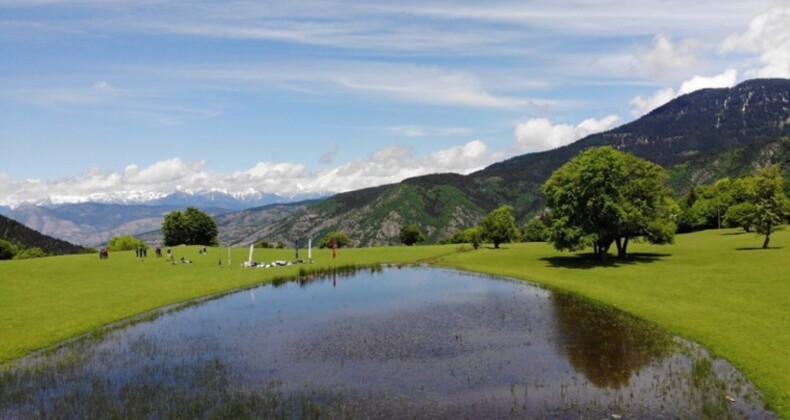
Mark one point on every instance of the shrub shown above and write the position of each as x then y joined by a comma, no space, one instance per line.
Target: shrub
34,252
7,250
535,231
125,243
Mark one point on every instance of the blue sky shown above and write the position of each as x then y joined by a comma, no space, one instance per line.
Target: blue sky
110,97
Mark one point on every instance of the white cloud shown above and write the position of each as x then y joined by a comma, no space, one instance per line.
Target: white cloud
462,159
769,36
412,83
666,58
104,86
160,172
723,80
643,105
540,134
422,131
388,165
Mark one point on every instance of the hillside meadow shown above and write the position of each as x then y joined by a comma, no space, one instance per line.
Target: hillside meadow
714,287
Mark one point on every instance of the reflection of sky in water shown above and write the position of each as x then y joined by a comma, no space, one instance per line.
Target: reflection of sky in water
421,335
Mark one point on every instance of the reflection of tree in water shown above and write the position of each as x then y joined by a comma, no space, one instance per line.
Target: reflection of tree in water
605,344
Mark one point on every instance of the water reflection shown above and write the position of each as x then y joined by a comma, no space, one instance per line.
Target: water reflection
608,346
414,342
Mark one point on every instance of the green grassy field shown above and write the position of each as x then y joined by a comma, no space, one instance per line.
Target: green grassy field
713,287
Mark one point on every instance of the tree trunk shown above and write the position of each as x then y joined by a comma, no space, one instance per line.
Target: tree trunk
767,236
619,244
622,252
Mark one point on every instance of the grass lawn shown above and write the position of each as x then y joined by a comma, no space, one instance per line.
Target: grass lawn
712,287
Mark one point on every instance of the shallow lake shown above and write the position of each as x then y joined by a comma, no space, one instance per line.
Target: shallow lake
392,342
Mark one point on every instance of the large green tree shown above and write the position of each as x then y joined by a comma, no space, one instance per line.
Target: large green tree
705,206
771,206
341,240
604,197
191,227
500,226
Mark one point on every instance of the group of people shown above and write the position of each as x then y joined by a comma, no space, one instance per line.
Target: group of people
142,252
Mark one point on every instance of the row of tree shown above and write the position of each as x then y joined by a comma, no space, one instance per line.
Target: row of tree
751,202
604,197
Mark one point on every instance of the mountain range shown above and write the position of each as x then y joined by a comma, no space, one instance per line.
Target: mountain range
94,223
699,137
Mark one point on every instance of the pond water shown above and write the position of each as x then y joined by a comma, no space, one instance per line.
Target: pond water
384,343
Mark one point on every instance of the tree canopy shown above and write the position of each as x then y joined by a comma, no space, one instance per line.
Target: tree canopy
125,243
341,239
535,231
410,234
603,196
191,227
771,206
500,226
7,250
756,203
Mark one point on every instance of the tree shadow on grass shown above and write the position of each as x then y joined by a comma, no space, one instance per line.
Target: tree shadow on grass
758,248
735,233
588,260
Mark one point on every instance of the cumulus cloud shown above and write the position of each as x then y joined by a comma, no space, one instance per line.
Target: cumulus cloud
388,165
768,35
643,105
539,134
665,57
723,80
160,172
